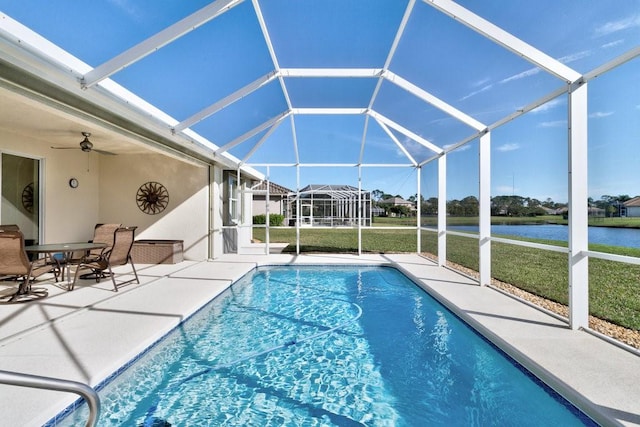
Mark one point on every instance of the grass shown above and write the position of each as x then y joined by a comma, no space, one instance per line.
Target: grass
614,288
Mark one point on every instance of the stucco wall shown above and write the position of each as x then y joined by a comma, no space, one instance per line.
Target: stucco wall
186,215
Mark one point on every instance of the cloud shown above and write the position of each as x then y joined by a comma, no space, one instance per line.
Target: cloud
574,56
529,72
553,124
481,82
619,25
508,147
126,6
548,105
612,44
483,89
600,114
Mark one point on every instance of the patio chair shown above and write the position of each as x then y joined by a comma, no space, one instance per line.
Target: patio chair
102,233
14,262
118,254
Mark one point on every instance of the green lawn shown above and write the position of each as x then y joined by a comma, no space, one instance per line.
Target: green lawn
614,292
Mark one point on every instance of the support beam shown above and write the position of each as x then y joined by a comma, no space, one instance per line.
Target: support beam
505,39
442,210
252,132
226,101
436,102
406,132
331,72
329,111
485,209
395,140
157,41
419,210
578,209
394,47
262,140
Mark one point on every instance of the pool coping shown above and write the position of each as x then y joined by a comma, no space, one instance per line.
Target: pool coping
599,378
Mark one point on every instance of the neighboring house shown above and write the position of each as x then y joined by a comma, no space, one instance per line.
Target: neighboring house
398,201
277,198
596,212
632,207
329,205
376,211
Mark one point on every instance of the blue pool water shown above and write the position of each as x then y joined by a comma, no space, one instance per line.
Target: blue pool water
326,346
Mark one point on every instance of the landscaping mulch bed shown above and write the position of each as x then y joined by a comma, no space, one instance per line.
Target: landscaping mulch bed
627,336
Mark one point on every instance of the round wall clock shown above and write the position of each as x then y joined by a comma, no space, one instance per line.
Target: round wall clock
73,183
152,198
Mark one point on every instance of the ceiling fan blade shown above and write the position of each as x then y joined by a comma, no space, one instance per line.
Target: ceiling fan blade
65,148
108,153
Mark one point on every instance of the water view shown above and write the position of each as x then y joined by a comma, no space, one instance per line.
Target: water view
628,237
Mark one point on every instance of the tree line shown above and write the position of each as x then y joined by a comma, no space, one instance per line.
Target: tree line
518,206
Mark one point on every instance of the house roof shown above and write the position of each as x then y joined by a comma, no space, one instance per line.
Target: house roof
396,201
274,188
326,188
635,202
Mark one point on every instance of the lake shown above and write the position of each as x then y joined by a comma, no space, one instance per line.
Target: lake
628,237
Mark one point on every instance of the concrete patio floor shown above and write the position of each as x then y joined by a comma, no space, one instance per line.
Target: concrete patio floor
87,334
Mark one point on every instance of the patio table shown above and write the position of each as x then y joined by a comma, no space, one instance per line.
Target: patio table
67,250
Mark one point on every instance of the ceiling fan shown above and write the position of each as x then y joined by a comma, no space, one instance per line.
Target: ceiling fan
85,145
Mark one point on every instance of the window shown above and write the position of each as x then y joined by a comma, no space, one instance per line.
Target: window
231,214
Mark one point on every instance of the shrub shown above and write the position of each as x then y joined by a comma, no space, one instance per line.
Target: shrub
275,220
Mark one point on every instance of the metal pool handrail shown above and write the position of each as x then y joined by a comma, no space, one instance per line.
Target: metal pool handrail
48,383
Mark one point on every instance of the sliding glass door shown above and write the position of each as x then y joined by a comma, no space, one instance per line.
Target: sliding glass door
20,203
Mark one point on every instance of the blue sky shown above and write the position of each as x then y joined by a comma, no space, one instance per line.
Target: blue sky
436,53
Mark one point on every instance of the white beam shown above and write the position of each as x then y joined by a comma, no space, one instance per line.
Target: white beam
484,195
436,102
442,211
252,132
625,57
157,41
364,139
262,140
380,118
394,47
537,103
505,39
226,101
394,139
329,111
578,209
419,211
331,72
294,136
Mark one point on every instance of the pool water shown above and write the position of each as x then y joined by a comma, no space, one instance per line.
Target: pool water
326,346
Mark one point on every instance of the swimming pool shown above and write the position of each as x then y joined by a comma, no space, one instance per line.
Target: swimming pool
326,346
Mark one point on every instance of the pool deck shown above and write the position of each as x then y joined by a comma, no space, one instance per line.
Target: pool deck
87,334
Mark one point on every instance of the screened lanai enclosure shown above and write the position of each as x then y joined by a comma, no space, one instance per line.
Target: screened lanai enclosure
435,99
329,205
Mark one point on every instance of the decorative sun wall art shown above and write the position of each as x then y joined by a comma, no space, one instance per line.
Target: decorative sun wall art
152,198
27,197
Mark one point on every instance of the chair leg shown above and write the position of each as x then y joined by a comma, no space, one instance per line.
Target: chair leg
75,277
113,278
134,269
